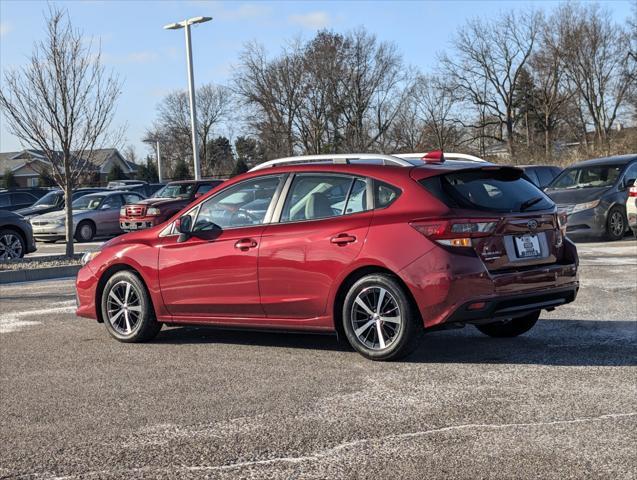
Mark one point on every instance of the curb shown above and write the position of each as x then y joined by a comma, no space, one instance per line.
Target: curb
13,276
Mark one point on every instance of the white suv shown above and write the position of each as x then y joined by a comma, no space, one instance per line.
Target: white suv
631,208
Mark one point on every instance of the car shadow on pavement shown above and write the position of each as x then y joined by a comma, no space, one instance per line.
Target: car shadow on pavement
551,342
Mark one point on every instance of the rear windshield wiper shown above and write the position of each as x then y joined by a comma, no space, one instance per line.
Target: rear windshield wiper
530,203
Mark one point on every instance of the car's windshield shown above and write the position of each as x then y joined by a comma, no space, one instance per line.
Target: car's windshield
49,200
87,202
587,177
176,190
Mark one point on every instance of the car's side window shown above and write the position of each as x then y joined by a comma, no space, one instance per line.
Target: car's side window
631,172
5,200
131,198
357,201
114,201
240,205
314,196
201,189
384,194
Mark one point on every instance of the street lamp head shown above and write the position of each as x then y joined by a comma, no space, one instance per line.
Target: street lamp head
190,21
194,20
173,26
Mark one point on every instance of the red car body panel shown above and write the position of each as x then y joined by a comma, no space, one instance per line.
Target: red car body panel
290,273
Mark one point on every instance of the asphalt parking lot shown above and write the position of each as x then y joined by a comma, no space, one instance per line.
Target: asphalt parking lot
559,402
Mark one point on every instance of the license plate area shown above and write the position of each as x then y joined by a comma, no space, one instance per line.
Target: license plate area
527,246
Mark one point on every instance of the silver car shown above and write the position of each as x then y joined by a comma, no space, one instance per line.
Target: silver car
94,215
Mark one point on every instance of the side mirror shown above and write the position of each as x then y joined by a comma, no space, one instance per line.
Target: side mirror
184,226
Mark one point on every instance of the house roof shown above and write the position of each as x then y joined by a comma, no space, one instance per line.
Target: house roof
16,160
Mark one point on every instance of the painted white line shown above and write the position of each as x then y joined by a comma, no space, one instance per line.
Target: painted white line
14,321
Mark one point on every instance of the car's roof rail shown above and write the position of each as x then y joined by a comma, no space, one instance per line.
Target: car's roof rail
334,158
448,156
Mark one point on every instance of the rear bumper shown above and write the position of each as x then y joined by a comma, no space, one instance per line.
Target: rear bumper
444,284
514,306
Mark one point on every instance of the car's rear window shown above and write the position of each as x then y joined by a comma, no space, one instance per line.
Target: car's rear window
501,190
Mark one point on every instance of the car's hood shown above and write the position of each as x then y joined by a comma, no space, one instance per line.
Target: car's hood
565,196
59,215
39,210
162,202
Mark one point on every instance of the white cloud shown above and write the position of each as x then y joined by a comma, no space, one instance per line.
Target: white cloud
312,20
5,28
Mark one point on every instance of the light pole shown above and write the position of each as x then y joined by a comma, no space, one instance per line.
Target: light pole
159,176
185,24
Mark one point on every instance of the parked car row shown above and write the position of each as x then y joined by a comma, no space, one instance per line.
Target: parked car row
599,198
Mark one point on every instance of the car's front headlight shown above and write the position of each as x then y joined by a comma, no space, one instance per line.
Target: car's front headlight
153,211
585,206
88,256
122,211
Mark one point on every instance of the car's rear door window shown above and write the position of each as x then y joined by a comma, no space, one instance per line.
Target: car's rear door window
315,196
500,190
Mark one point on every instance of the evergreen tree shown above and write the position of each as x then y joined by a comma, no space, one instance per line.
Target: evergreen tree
181,170
8,180
147,171
116,173
240,167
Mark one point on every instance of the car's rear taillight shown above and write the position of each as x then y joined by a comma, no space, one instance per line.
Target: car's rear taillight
455,233
632,191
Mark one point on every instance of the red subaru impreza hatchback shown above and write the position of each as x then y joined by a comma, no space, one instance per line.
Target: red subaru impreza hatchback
376,248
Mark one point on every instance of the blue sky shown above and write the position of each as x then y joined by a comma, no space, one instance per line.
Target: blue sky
151,61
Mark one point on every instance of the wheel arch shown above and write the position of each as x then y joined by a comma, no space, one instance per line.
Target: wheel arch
106,275
350,279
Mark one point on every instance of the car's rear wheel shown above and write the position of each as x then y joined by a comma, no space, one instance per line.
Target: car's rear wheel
379,319
12,244
511,327
85,231
127,310
615,224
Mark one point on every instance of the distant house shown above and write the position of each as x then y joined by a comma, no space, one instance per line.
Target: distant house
27,165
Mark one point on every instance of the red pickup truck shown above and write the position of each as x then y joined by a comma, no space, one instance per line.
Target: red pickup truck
166,202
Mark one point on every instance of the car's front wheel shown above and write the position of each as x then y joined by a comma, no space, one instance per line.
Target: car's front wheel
379,320
511,327
127,310
12,244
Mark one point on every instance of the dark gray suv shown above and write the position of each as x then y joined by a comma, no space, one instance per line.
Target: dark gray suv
594,193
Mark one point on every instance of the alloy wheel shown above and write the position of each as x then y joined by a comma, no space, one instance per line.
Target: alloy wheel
124,308
10,246
616,224
376,318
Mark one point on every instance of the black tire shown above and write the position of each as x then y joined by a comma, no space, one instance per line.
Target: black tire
511,328
12,244
85,231
616,224
403,335
142,324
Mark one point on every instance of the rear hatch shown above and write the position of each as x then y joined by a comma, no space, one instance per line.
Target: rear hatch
508,222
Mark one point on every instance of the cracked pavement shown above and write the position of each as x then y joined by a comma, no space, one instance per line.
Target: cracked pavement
559,402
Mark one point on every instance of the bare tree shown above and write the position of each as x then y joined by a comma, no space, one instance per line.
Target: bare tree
173,124
596,56
62,102
487,61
